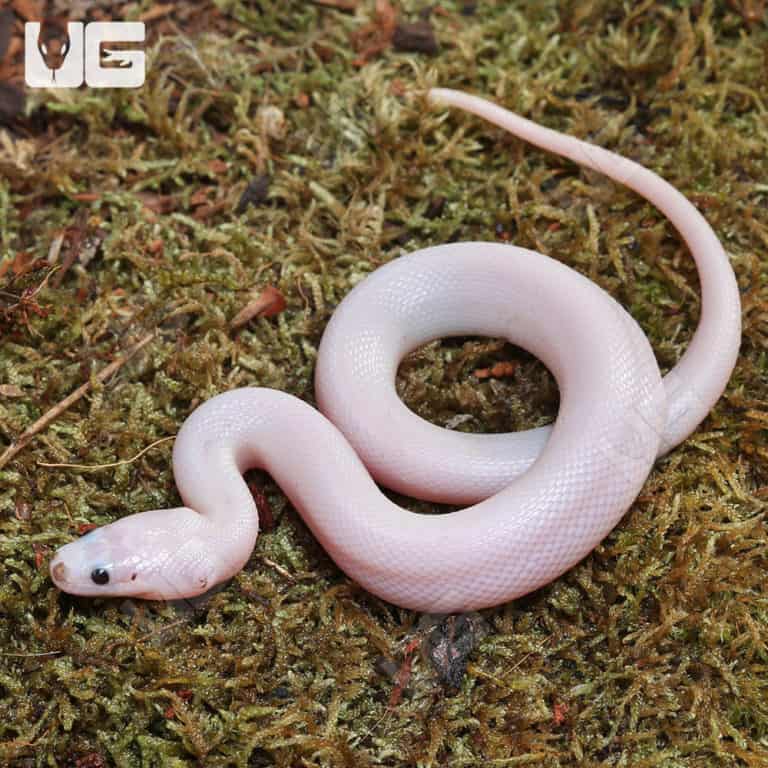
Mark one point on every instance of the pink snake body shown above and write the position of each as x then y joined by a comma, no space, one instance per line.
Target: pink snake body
541,499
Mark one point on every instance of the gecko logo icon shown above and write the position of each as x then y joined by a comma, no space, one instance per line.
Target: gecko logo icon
64,56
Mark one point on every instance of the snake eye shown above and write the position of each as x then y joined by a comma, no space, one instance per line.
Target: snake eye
100,576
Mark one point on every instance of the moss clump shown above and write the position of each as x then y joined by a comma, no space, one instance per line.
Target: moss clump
118,217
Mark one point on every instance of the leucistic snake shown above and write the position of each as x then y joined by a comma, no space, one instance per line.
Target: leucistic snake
542,499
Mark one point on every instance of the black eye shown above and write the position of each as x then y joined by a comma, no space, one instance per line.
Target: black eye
100,576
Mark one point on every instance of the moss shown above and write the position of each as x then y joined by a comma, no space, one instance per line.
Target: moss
651,652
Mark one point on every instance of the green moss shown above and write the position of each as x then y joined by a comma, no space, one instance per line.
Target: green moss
652,652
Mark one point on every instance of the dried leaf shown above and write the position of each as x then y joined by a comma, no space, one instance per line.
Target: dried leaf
200,196
268,303
497,371
29,10
157,12
255,193
418,37
159,203
451,642
21,263
374,38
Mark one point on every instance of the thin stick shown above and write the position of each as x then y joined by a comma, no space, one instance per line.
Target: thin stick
59,408
111,464
342,5
160,630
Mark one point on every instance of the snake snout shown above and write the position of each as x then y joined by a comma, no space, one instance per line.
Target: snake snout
59,572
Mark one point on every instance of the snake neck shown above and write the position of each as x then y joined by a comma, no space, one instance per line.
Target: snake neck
210,481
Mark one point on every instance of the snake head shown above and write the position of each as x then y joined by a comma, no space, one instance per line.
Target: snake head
53,42
153,555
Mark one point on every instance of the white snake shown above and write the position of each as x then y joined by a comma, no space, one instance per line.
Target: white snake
542,498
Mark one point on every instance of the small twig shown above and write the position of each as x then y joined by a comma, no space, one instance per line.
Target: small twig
59,408
307,305
529,654
55,249
160,630
125,640
30,655
387,712
279,568
300,576
28,296
113,463
341,5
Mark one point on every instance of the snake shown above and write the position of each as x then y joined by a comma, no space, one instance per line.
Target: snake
534,503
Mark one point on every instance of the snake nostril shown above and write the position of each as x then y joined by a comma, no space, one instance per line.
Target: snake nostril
59,572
